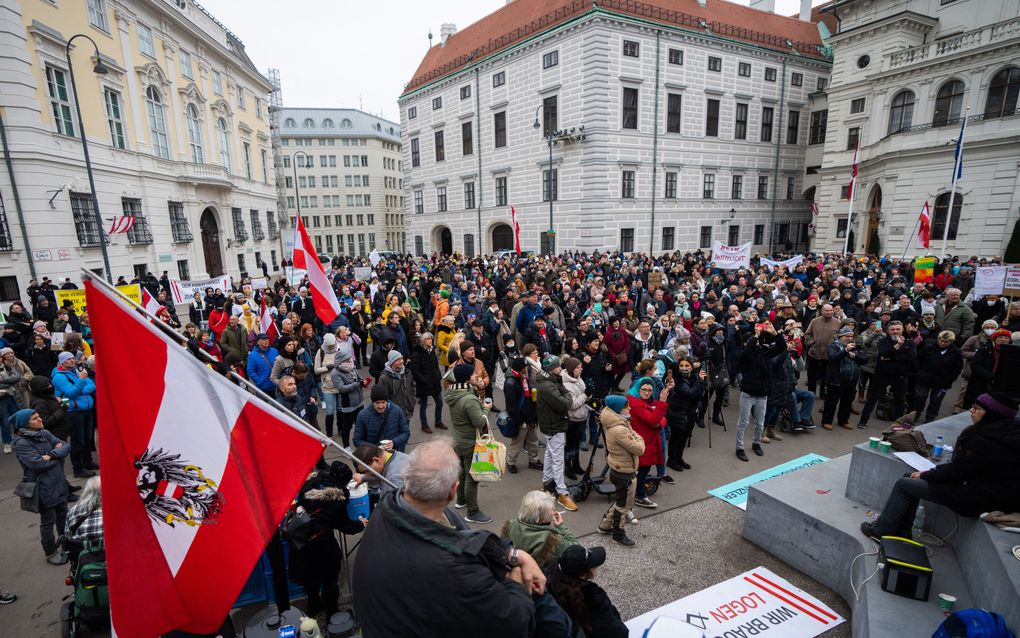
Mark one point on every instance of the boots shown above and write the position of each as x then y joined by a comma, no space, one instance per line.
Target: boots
329,425
772,434
550,486
619,535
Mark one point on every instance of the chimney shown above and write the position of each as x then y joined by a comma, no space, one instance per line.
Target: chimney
805,10
764,5
445,31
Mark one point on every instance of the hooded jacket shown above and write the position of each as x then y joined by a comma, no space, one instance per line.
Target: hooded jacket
400,386
467,416
349,389
543,541
50,408
624,446
578,411
646,419
79,392
324,363
30,446
553,403
424,368
756,365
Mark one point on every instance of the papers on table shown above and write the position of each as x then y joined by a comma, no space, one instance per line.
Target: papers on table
915,460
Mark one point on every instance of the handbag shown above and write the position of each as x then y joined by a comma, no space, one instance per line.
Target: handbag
488,463
720,376
28,492
620,358
297,527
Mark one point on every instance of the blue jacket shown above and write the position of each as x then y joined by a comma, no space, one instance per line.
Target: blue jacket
79,392
372,427
260,366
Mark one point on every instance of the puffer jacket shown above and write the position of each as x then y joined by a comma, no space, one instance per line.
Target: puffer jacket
553,403
79,392
324,360
844,368
755,365
372,427
624,446
10,383
400,386
575,386
867,344
349,389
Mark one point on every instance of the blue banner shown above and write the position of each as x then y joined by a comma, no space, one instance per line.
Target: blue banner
735,493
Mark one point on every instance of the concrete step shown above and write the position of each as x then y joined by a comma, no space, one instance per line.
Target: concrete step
806,520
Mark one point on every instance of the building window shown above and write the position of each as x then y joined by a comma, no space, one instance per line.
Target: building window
182,269
246,147
256,226
712,119
465,91
60,104
240,232
797,79
186,70
179,223
631,49
221,128
737,187
733,235
901,112
441,199
241,266
113,118
467,142
139,232
469,195
440,146
740,125
437,103
469,244
674,112
767,113
145,40
412,112
549,186
97,13
1003,92
217,87
819,120
157,123
195,135
499,126
83,213
419,202
274,232
501,194
265,165
857,105
793,127
763,187
550,59
498,79
670,185
419,246
630,108
823,83
627,240
744,69
938,224
789,187
676,56
258,110
714,64
853,138
844,191
627,187
759,234
549,118
708,190
415,154
948,103
705,237
770,74
668,238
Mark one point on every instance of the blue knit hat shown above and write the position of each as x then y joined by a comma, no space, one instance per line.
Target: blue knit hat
19,419
616,403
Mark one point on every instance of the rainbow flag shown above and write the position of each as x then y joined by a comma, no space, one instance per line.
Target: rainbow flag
924,270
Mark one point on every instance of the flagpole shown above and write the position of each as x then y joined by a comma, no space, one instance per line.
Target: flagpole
849,217
957,165
910,238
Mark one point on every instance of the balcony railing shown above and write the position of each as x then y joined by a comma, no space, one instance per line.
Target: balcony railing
955,121
989,34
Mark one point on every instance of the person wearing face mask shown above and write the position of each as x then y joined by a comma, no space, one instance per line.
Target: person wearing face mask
624,448
718,370
682,406
984,365
968,351
989,307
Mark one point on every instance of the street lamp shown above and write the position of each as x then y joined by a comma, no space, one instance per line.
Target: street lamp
550,139
99,69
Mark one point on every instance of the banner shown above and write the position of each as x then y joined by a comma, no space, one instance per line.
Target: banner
735,493
788,264
1011,286
989,280
731,257
77,297
259,283
184,291
295,275
924,270
755,602
363,273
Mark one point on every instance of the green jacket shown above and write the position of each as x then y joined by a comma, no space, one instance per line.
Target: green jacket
235,340
467,416
544,543
553,403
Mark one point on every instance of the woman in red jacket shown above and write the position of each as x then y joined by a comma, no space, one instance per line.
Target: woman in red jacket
648,417
618,343
218,320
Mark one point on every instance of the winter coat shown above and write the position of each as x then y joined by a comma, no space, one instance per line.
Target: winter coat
756,365
578,397
424,368
867,343
785,371
30,446
320,558
647,418
553,403
298,404
939,368
547,342
235,340
544,542
895,361
604,618
51,410
350,391
324,362
401,388
10,383
444,335
377,362
819,334
683,400
984,473
843,368
618,346
465,572
596,377
41,360
79,392
624,446
959,318
467,417
261,364
637,349
372,427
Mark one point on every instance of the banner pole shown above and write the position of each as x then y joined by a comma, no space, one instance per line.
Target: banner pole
910,239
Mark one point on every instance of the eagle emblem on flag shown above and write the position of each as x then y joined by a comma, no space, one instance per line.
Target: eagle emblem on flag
175,491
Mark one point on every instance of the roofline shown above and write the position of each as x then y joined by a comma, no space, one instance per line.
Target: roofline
338,108
920,17
597,10
836,4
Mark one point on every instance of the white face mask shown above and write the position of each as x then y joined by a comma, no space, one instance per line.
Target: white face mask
989,331
990,302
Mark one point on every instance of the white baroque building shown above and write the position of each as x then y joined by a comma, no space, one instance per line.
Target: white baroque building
675,122
349,179
905,73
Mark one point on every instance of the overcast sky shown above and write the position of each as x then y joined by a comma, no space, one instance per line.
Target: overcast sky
352,54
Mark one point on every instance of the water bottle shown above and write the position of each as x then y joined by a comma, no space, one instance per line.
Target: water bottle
919,520
937,452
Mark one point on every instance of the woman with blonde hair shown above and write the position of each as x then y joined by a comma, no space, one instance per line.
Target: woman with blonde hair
539,529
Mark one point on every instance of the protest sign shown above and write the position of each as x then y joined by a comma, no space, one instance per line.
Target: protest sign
374,258
654,279
77,296
735,493
1011,285
57,341
259,283
989,280
295,275
789,263
749,604
731,257
363,273
184,291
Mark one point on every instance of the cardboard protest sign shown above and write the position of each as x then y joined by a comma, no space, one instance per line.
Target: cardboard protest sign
735,493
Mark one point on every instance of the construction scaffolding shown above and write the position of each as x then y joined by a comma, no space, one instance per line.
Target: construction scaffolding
282,211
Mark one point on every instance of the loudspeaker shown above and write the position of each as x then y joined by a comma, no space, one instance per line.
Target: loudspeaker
1006,378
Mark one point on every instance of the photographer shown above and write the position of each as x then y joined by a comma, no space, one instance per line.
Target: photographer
895,354
842,377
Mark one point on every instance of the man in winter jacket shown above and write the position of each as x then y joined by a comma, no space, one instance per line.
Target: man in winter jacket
234,338
260,363
624,448
842,376
554,402
398,383
952,314
895,354
756,368
380,356
939,364
382,421
818,335
467,418
517,394
79,390
295,399
545,338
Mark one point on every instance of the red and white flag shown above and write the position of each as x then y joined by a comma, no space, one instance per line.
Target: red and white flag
853,171
266,323
197,475
149,302
305,256
517,230
120,224
924,227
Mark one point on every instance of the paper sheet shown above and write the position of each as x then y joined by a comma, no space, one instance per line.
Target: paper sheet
915,460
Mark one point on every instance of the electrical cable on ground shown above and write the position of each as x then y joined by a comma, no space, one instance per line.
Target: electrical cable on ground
853,588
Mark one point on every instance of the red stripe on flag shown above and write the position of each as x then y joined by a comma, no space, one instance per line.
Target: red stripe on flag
820,610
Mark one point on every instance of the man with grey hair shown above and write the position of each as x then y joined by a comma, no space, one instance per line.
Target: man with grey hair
953,314
470,573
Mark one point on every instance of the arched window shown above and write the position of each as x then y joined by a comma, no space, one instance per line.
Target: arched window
327,123
308,123
938,226
157,123
948,102
901,111
221,128
1002,93
345,123
195,135
289,122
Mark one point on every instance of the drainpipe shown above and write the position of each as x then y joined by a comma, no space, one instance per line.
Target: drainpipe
478,151
775,167
655,140
17,197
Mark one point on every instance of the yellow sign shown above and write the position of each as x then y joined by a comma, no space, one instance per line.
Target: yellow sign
77,297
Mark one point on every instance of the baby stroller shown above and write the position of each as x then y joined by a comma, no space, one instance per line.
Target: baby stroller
89,604
581,490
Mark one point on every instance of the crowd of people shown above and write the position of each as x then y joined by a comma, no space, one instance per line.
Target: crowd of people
589,351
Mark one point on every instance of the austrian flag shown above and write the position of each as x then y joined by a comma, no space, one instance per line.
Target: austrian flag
197,474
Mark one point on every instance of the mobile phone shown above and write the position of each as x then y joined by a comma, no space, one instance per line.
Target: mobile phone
878,323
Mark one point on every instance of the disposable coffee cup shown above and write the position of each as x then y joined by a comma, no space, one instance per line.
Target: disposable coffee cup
873,442
946,602
885,446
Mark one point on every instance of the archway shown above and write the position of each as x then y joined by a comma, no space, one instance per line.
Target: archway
874,212
442,240
502,238
211,242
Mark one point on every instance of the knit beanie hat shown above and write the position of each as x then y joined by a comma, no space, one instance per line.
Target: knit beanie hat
1002,332
571,364
845,331
466,345
19,419
380,393
462,372
329,341
616,403
518,364
393,356
550,362
997,402
445,294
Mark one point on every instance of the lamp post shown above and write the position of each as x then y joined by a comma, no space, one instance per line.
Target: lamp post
550,140
99,69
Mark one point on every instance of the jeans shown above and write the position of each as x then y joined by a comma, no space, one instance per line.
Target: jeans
329,402
932,396
467,491
527,438
8,406
642,476
553,464
423,404
748,404
900,508
48,518
807,401
898,386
